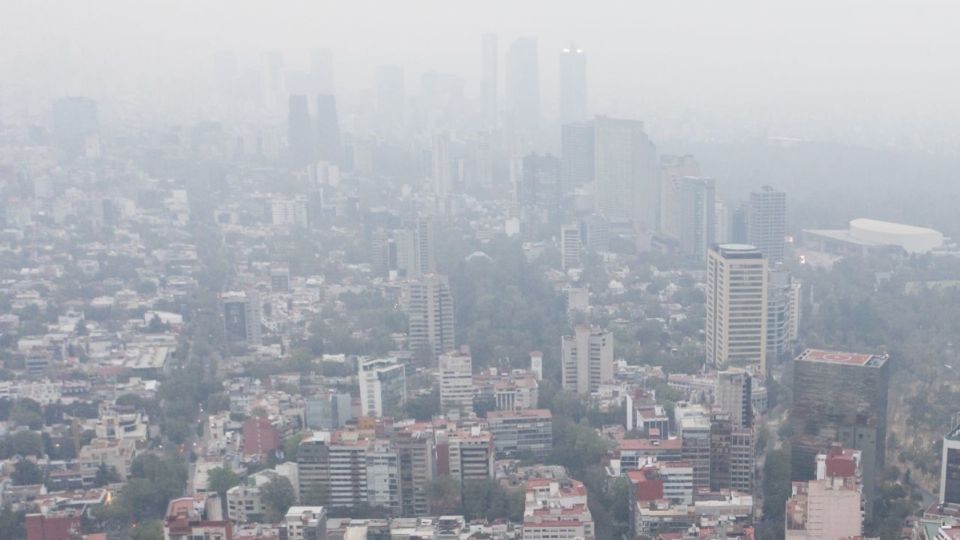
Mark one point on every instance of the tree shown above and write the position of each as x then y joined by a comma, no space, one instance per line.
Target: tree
444,495
147,530
278,496
26,473
106,475
221,479
12,524
424,407
776,489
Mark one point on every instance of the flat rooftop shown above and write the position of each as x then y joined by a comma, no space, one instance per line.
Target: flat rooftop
846,358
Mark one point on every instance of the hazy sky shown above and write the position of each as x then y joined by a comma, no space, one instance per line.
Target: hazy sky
842,66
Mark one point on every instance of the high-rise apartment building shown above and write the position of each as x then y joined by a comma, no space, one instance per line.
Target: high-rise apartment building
573,85
300,133
576,155
489,80
570,247
471,455
767,222
695,429
736,333
415,448
626,179
587,359
456,381
429,307
841,398
383,386
416,248
734,391
241,317
523,84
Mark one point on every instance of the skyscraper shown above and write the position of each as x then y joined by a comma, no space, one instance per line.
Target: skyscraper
767,222
523,85
300,136
328,129
539,185
429,307
442,166
383,386
489,80
415,246
840,397
573,85
576,155
783,311
736,332
626,182
587,359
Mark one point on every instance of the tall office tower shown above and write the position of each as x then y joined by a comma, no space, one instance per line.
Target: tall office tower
689,214
587,359
626,180
391,96
734,392
442,166
570,247
456,381
523,85
573,85
76,127
241,317
429,307
950,465
489,80
767,222
783,312
539,185
840,397
416,251
383,386
736,333
576,155
321,72
328,129
300,136
415,448
693,427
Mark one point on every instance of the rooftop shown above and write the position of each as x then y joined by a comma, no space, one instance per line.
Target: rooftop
838,357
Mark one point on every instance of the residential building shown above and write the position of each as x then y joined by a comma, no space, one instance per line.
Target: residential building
456,381
767,222
736,305
241,317
417,466
528,431
587,359
830,506
200,516
305,523
734,396
694,429
557,510
383,386
626,179
429,307
570,247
